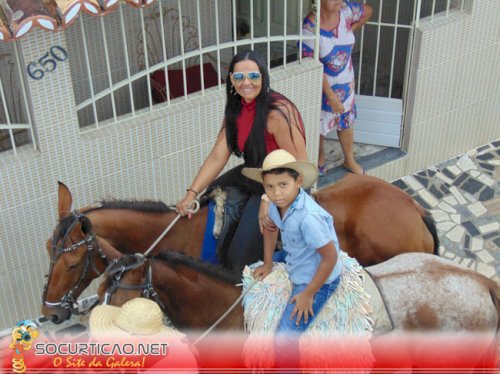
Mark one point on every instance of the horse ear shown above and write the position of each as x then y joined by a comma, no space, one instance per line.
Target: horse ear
65,200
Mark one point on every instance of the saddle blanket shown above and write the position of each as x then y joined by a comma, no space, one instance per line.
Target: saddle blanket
216,201
344,321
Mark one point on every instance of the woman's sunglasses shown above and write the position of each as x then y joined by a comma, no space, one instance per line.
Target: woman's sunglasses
239,77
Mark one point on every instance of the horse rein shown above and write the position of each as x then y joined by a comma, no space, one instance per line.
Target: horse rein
226,313
68,300
193,210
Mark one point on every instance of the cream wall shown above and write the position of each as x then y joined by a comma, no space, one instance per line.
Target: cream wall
454,93
154,156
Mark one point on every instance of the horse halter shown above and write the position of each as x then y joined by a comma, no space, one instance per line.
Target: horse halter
68,300
115,272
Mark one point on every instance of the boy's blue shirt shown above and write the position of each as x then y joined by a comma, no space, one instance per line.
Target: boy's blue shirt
305,228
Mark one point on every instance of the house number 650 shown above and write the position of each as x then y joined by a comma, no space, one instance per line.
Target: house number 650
47,63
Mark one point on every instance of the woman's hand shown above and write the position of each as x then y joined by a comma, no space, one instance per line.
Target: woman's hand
182,206
262,271
264,221
336,104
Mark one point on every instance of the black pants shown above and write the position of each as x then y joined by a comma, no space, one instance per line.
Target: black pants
241,242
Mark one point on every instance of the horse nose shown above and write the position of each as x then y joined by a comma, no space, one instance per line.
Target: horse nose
58,316
55,319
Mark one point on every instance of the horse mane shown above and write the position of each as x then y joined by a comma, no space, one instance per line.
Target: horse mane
174,259
140,205
63,226
148,206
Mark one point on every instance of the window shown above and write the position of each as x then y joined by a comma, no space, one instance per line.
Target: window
15,118
119,62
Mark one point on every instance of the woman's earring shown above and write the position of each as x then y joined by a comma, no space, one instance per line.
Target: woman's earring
233,90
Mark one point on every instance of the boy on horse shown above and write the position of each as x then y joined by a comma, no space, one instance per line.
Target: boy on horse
309,242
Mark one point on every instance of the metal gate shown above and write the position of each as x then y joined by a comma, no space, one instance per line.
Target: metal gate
381,55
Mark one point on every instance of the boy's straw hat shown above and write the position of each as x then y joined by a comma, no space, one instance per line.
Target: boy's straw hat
282,159
137,317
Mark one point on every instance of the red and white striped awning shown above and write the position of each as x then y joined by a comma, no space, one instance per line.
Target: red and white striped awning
18,17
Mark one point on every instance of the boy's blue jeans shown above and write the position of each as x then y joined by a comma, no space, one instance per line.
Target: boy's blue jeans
288,333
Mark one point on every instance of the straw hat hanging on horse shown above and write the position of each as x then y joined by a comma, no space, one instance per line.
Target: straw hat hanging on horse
141,320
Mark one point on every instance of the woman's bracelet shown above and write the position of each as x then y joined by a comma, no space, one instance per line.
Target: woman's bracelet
191,190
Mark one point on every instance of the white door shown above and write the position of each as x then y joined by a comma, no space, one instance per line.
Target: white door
379,121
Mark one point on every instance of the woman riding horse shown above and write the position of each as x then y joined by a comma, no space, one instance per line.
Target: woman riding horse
257,120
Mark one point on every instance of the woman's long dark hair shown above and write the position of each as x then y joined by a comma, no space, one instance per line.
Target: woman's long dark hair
255,147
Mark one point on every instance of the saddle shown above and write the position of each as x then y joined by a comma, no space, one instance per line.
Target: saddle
354,310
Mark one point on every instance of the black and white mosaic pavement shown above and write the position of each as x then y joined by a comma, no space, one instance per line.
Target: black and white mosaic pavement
463,195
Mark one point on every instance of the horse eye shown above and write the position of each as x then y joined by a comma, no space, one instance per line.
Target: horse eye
73,267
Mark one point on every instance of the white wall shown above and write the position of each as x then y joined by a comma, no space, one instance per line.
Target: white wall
454,95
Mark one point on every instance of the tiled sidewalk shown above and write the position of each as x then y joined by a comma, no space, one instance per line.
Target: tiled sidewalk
463,195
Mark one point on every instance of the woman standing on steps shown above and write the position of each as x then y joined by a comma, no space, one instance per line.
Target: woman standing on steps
339,20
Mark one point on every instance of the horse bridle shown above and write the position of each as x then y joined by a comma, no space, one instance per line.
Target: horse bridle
68,300
148,290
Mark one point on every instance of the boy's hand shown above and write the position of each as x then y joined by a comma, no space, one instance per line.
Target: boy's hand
303,306
264,221
262,271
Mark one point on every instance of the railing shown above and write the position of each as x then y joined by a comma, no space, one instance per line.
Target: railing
380,53
162,42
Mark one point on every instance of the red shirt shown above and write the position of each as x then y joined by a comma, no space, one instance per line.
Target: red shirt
244,124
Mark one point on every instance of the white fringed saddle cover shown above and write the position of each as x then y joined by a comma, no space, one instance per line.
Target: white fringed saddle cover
343,323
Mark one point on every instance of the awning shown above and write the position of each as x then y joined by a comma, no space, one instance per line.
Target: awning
18,17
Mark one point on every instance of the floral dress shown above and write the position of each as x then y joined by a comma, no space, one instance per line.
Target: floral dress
335,48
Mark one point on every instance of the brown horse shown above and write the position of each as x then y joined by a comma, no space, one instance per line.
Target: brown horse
422,293
131,276
373,220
